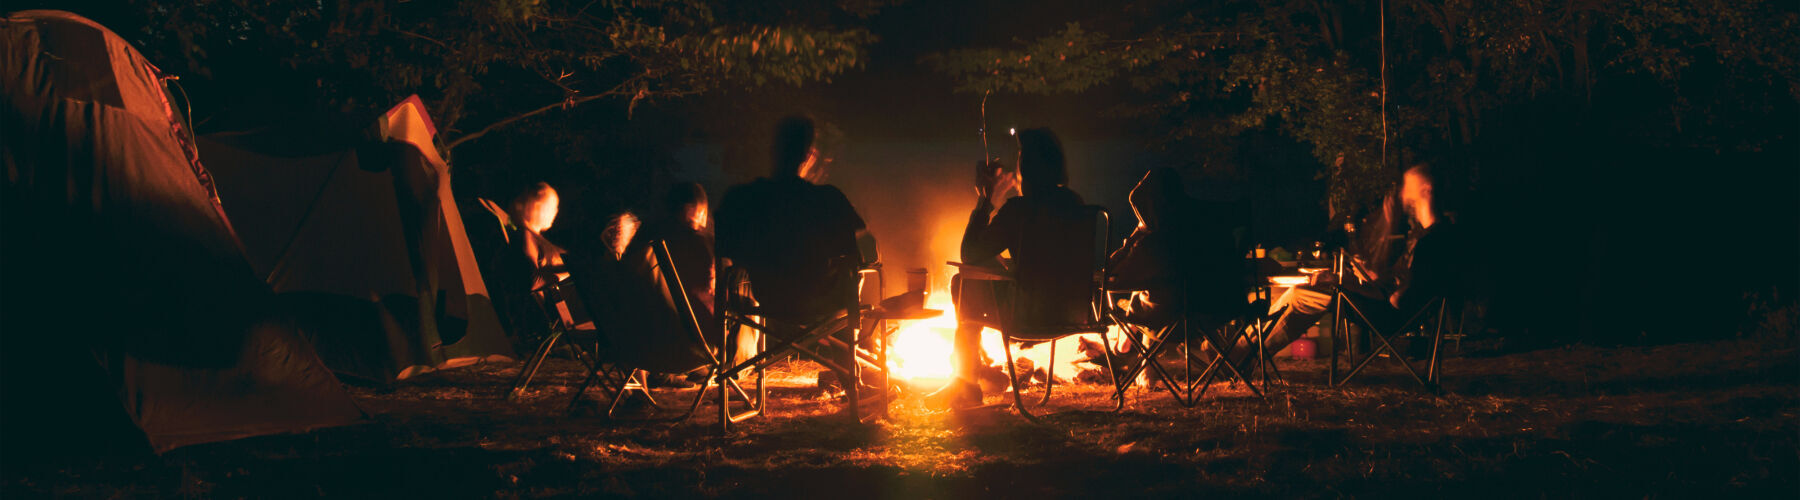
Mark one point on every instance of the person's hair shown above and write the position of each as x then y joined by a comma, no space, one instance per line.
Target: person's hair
613,236
1372,241
1425,173
794,137
1041,164
527,199
681,196
531,196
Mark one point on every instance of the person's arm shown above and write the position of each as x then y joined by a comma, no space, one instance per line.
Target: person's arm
1143,264
984,238
985,235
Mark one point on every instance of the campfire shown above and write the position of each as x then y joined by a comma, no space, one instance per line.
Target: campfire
920,353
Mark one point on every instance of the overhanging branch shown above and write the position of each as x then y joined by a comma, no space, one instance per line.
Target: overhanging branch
567,103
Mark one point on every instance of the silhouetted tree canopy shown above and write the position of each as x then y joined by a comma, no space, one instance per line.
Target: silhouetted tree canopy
1210,70
483,65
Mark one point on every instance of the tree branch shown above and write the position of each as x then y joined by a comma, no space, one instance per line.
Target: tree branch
626,88
566,103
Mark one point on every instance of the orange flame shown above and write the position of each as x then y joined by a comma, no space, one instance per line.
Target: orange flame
920,352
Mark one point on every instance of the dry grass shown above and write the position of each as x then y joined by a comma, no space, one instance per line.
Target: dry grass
1680,420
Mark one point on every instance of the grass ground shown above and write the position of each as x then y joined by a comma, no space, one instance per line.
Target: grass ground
1667,421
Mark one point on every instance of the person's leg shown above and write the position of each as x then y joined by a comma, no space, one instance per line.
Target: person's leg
1304,306
1300,308
975,302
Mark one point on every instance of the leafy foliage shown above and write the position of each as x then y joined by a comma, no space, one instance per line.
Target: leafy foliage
482,65
1213,69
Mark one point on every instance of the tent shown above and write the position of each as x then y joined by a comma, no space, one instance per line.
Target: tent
127,309
360,235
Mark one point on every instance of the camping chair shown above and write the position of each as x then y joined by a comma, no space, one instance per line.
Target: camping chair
1151,342
623,358
1033,330
559,320
1430,318
1249,323
815,338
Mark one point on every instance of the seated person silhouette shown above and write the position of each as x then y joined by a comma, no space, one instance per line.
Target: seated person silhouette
1033,228
1180,262
1177,257
532,212
1389,294
794,237
682,225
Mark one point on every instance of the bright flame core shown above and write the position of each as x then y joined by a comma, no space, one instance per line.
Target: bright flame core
920,352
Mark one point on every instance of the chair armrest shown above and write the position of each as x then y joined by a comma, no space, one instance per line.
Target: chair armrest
982,273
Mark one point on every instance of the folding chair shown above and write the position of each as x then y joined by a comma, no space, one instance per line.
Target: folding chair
814,338
1251,326
1016,329
624,359
1431,316
559,319
1250,323
1182,330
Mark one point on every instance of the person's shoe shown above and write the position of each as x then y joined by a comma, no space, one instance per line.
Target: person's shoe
957,395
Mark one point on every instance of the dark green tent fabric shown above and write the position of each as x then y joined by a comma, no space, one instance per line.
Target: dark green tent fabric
362,240
124,294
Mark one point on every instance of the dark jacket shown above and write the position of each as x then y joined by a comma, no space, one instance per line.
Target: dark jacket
796,241
1429,269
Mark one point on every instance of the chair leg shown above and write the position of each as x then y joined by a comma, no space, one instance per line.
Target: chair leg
852,379
724,404
1011,370
762,386
1049,375
1437,339
1339,337
1230,344
887,382
1107,351
618,395
592,376
527,372
1151,351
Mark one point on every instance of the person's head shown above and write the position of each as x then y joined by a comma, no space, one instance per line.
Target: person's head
620,228
535,208
795,152
1041,165
686,202
1416,193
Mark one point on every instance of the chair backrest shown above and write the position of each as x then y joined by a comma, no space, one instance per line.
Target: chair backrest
1061,275
644,321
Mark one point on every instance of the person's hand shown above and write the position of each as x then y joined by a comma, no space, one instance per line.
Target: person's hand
1361,268
987,174
1321,276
